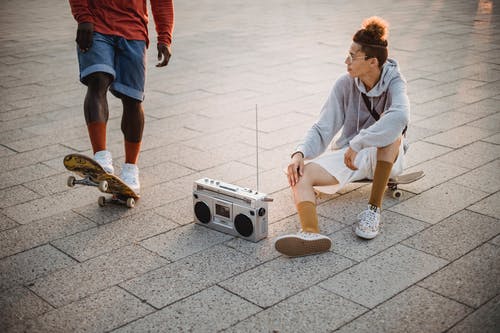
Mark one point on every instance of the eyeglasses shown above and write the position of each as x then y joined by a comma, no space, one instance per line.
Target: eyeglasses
351,59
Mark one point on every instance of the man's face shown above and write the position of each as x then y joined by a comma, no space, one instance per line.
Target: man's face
356,61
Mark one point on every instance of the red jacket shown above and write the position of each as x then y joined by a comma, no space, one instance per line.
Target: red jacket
126,18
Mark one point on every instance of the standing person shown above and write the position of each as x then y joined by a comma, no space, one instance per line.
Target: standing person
111,38
369,106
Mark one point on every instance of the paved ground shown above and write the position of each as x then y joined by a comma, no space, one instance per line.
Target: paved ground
67,265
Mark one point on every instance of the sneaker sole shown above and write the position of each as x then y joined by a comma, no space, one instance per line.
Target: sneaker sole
297,247
361,234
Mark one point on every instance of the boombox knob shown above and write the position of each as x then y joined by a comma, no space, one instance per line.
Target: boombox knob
262,211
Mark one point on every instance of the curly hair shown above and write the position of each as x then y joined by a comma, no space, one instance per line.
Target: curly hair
373,38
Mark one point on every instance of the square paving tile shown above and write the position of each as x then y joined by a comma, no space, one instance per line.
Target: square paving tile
472,279
312,310
484,320
439,202
29,265
184,241
210,310
414,310
488,206
380,277
282,277
99,312
455,236
78,281
189,275
127,231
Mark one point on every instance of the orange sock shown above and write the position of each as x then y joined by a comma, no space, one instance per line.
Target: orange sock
308,217
380,179
132,150
97,135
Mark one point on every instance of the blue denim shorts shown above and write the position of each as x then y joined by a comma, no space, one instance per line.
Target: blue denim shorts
124,59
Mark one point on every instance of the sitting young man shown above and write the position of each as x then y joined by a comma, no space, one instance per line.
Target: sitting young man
370,106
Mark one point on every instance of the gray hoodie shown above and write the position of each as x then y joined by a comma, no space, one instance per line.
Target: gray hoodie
345,110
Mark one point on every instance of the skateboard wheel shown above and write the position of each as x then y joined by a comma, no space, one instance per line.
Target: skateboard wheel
130,203
397,194
71,181
101,201
103,186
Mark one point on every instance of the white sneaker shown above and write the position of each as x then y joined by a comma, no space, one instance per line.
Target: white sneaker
302,244
369,223
105,160
130,176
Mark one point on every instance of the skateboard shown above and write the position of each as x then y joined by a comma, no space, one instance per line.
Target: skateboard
94,175
392,184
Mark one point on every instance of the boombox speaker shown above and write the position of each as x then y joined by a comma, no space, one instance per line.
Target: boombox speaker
231,209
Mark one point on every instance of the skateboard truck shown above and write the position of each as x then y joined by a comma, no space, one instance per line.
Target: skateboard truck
102,185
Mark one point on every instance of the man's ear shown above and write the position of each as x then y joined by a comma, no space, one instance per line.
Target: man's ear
373,62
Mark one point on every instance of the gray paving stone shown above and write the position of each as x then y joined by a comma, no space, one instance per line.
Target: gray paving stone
446,121
282,206
50,185
26,174
312,310
460,136
210,310
184,241
29,265
17,305
483,108
180,211
78,281
484,178
40,232
496,241
491,123
472,279
472,156
423,151
395,228
488,206
493,139
439,202
6,223
100,312
383,276
414,310
188,275
456,235
435,173
486,319
126,231
48,206
27,159
278,279
16,195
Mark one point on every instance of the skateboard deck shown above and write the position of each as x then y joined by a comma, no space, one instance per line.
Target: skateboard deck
94,175
392,184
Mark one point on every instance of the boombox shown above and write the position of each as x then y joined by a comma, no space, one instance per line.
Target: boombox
231,209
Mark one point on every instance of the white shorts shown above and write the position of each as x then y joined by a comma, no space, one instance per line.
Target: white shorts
366,160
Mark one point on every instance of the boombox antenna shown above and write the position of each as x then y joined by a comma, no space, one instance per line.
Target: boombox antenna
257,144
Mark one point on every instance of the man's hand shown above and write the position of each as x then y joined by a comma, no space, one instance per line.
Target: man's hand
84,36
349,158
164,54
295,169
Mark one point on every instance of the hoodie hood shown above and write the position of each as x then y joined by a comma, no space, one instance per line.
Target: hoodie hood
390,71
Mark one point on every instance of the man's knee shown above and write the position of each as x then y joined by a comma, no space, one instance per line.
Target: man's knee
131,105
99,82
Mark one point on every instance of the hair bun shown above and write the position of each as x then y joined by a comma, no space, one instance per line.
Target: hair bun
377,27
